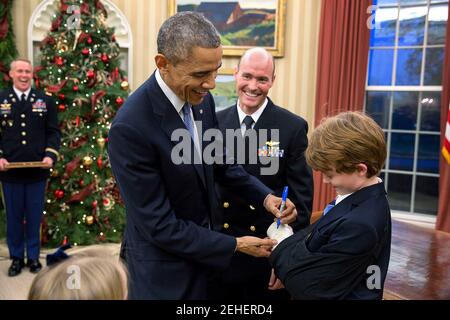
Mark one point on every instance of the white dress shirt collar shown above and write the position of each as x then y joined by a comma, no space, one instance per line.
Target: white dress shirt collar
255,116
19,93
173,98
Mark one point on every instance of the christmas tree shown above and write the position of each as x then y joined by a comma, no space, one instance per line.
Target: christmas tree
80,68
8,49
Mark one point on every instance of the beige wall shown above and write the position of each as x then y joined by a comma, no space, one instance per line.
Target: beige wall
294,88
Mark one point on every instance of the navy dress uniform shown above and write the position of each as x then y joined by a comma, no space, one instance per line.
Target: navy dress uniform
247,277
29,131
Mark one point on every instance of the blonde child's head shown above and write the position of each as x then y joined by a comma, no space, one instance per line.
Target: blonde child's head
88,274
345,141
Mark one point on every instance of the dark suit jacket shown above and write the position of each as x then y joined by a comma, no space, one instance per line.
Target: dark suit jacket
243,218
330,259
29,131
169,247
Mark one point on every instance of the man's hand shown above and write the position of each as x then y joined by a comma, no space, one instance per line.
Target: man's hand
255,246
3,163
48,162
273,203
274,282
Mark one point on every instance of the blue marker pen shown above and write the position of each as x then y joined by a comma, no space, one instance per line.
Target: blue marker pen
283,203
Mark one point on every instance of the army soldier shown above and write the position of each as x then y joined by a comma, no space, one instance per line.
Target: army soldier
248,278
29,132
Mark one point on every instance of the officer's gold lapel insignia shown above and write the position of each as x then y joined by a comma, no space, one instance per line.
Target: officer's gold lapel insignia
271,149
5,107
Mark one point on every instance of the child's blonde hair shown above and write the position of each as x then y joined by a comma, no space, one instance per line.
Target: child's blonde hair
101,276
346,140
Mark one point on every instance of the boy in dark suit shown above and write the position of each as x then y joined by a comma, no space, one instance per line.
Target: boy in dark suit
345,255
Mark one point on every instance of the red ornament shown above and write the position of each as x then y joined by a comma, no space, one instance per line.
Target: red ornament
90,74
77,121
89,40
113,38
59,194
65,241
106,202
94,204
100,162
62,96
75,88
81,183
85,51
104,58
119,101
62,107
59,61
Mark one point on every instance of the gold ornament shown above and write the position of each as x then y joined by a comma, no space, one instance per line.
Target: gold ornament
55,173
125,85
101,142
89,220
87,161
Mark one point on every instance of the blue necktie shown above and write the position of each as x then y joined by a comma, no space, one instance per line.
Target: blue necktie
329,207
188,120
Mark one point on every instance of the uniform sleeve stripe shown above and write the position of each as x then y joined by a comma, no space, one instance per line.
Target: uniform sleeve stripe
52,151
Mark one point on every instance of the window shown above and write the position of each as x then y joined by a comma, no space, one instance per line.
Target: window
403,95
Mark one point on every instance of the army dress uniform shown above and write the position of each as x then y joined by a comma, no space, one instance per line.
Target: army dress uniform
29,131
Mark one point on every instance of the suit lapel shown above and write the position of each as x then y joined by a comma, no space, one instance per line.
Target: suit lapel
232,119
336,213
171,121
11,91
267,118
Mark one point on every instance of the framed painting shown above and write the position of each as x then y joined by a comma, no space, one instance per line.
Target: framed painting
242,24
224,93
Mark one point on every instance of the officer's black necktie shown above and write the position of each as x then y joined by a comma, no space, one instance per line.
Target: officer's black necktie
248,121
22,105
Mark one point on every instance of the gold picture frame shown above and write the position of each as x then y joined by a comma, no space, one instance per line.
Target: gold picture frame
244,27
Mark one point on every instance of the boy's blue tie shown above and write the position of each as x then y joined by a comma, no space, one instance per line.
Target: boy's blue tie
329,207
